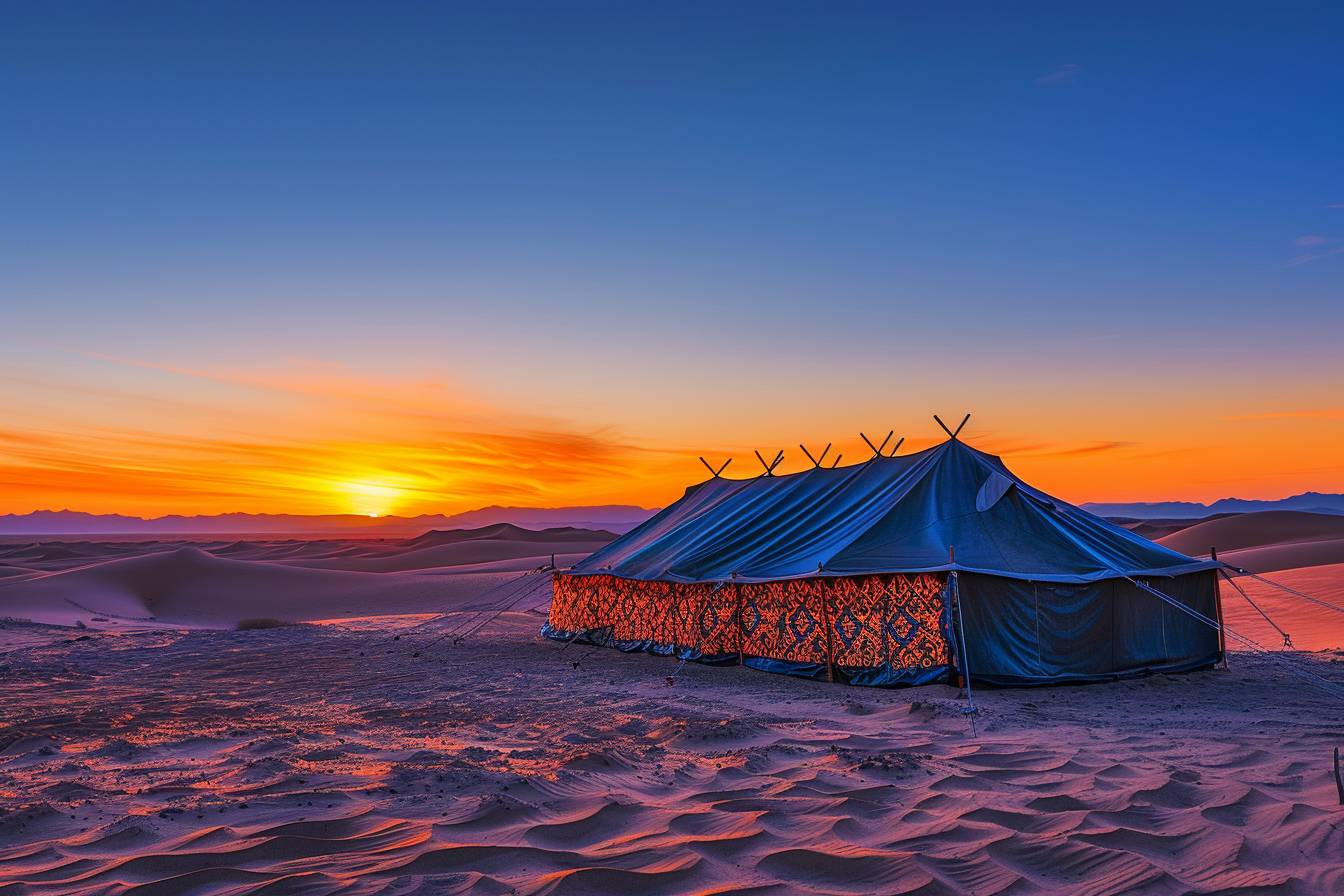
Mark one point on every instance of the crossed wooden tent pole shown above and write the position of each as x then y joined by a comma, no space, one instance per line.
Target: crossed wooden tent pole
817,459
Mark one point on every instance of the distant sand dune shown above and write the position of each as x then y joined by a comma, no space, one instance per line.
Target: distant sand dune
1256,530
446,555
189,585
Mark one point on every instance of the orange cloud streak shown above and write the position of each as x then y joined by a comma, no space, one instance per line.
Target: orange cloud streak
137,437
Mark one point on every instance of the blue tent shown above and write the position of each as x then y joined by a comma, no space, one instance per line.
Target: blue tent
1042,587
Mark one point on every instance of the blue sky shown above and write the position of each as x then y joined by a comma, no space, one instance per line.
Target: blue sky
633,216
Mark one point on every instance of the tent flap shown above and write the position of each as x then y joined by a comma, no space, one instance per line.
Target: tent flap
1042,632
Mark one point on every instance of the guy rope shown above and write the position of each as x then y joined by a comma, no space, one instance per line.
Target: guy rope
1279,659
509,594
1293,591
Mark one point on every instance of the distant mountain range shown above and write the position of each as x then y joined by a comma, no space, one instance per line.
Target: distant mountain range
1314,502
618,518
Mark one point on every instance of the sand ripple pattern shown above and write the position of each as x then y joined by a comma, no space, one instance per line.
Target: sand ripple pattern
314,760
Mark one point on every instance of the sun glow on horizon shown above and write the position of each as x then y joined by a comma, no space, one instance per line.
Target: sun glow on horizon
155,439
372,498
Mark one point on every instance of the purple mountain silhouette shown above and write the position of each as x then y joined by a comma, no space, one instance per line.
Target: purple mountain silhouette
616,518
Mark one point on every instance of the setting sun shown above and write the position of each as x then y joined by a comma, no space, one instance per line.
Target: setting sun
372,499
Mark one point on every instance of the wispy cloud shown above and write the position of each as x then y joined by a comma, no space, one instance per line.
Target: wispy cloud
1335,205
1305,414
1317,247
316,379
1065,74
1017,448
1307,257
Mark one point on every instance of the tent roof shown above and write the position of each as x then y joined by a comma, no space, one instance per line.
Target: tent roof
890,514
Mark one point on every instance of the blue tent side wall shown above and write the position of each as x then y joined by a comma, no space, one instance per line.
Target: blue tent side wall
1024,633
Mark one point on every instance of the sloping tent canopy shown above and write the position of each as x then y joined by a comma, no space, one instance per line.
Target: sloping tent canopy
887,515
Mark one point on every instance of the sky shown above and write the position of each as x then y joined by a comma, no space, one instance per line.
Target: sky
416,258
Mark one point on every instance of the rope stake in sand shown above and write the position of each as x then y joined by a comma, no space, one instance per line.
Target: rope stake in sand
671,679
1287,640
1339,782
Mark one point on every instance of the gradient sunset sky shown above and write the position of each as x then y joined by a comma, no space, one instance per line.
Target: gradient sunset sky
404,258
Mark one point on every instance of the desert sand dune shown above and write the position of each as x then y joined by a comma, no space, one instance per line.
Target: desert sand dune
1289,555
508,532
187,585
1157,529
447,555
1254,530
1267,541
495,542
220,583
68,555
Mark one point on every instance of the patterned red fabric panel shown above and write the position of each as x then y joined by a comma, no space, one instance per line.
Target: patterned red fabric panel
784,620
575,602
858,608
888,619
696,615
858,622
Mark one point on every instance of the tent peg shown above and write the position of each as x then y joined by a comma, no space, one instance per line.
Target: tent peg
1339,780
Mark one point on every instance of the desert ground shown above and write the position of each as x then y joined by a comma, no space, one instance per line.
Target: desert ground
269,716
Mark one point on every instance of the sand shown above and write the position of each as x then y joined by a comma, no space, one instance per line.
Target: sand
321,759
369,751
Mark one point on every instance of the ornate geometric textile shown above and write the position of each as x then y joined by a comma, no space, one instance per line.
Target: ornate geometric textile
852,623
899,621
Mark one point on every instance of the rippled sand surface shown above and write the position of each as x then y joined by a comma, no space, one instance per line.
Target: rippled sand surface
332,758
